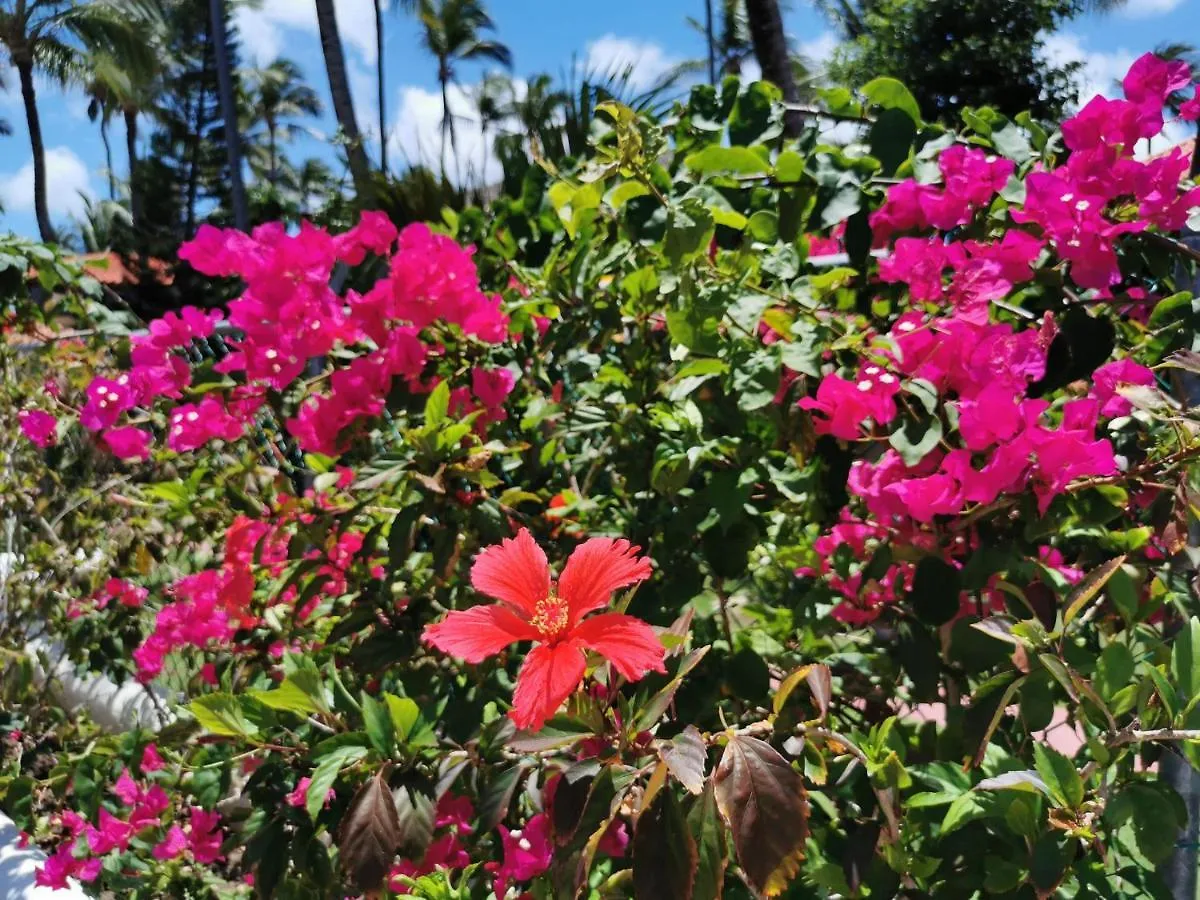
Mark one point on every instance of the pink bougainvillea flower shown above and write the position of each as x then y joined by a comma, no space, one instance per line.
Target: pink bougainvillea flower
39,426
1109,377
128,442
205,835
151,760
298,796
528,852
534,608
172,845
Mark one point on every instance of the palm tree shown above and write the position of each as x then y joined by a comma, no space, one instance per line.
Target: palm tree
493,101
225,87
54,37
343,101
276,94
771,49
314,181
103,224
101,106
5,127
538,113
451,32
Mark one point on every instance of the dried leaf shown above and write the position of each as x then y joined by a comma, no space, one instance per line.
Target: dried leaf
687,758
369,835
763,801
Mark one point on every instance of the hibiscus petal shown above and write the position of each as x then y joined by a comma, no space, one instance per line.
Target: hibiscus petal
596,569
477,633
514,571
628,643
548,676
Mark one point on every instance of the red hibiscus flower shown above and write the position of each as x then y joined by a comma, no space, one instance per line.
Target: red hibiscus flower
534,608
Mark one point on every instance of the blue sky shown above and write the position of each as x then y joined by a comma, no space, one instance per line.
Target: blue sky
543,35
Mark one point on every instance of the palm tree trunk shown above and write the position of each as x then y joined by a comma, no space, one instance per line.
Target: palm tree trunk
41,210
381,88
112,179
273,164
241,213
771,50
447,124
343,102
712,43
135,190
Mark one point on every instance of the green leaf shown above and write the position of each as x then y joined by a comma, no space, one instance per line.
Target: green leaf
737,160
888,93
377,722
225,714
1152,817
1114,669
967,808
1059,774
437,404
708,831
326,773
626,191
649,715
914,440
404,714
891,139
664,851
689,230
1185,661
301,692
936,586
764,226
789,167
762,799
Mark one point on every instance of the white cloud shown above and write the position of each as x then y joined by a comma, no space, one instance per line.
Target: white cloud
1101,72
819,49
66,176
647,62
263,31
416,135
1144,9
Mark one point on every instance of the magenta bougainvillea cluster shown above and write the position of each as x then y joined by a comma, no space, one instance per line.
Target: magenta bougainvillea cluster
977,372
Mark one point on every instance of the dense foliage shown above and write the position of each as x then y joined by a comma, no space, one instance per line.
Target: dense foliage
954,55
888,520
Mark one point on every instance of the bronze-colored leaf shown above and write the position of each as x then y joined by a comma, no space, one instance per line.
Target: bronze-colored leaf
369,835
763,801
687,758
664,852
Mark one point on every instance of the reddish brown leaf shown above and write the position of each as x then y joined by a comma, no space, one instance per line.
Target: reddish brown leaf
370,834
763,801
687,758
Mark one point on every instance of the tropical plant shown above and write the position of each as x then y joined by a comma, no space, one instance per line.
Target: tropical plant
343,101
770,42
634,550
956,55
54,38
105,225
452,33
494,100
275,95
